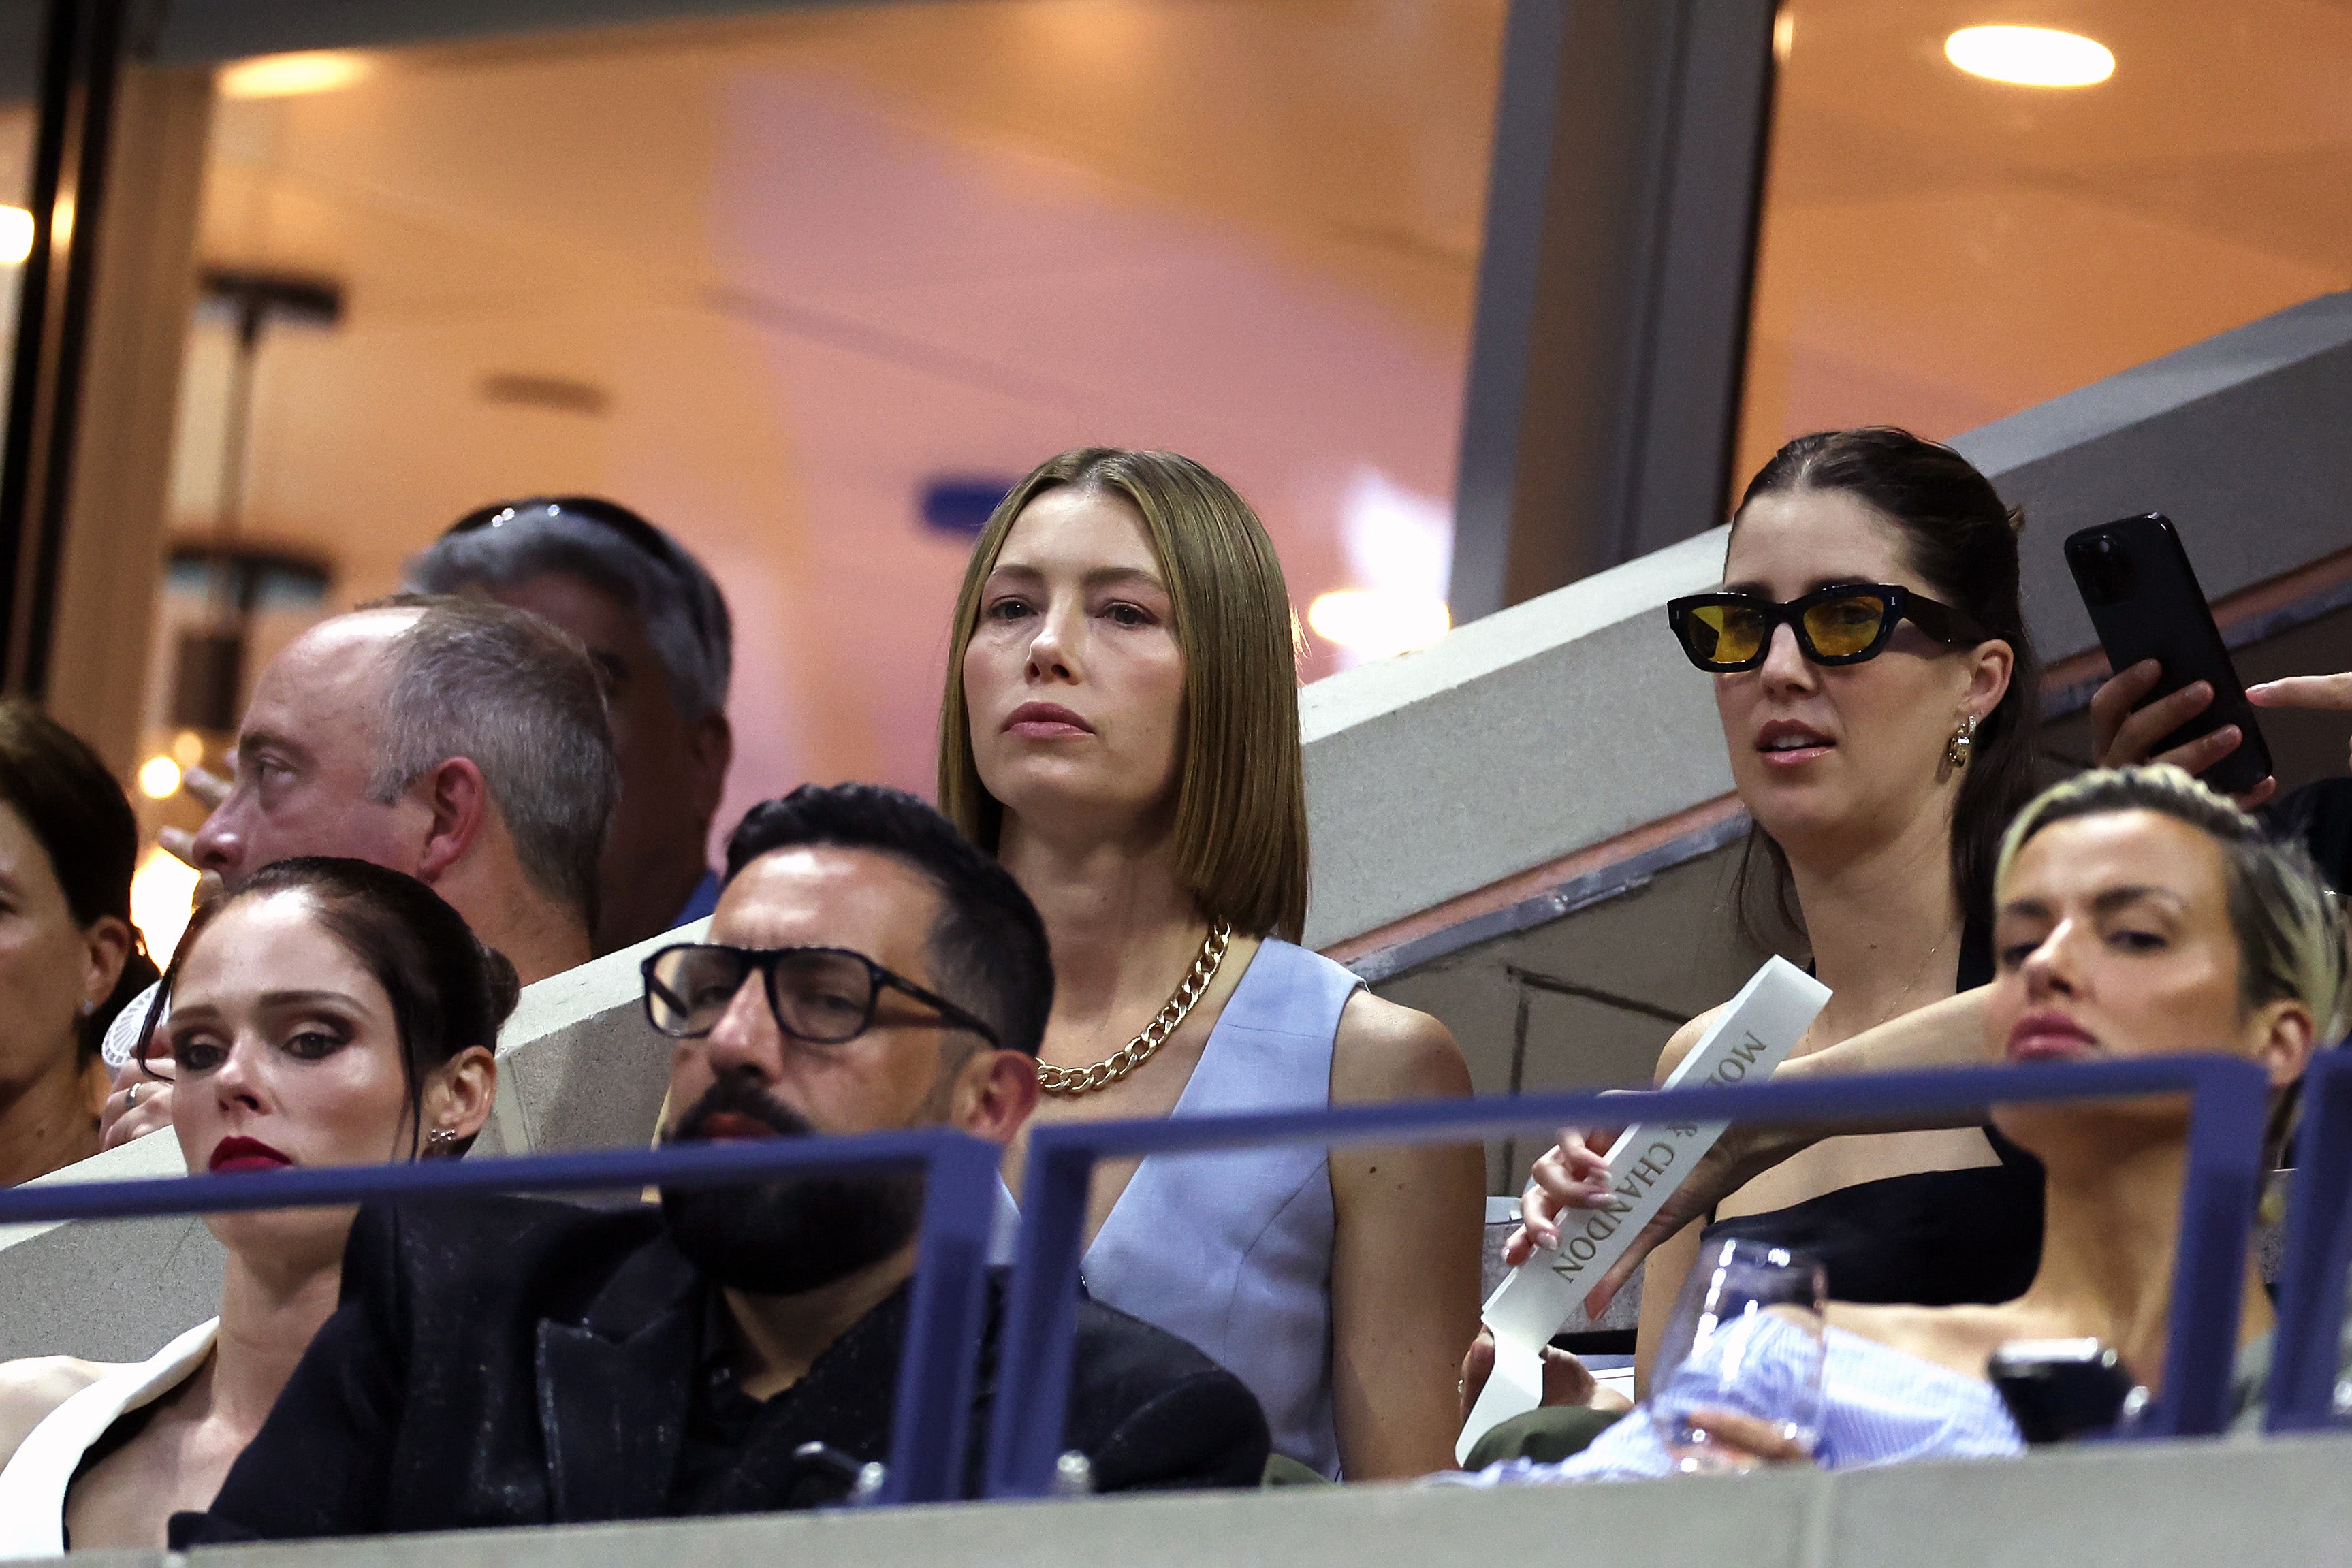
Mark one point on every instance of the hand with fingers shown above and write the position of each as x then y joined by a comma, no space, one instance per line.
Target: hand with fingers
1752,1438
1575,1174
209,789
1566,1380
138,1105
2319,693
2124,734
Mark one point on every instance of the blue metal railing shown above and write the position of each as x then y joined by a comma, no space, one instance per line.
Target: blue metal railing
935,1385
2218,1201
2307,1355
931,1423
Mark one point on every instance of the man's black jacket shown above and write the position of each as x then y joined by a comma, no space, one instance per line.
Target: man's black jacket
515,1361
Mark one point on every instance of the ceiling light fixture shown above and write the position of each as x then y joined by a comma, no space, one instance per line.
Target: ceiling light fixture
1378,625
283,76
2030,57
16,235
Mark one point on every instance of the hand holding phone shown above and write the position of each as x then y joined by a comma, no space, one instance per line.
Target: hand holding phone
2128,729
2175,696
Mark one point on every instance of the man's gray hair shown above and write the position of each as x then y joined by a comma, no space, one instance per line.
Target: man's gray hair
685,614
518,697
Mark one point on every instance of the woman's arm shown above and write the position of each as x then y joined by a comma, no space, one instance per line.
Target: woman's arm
1948,1033
1669,1263
1404,1261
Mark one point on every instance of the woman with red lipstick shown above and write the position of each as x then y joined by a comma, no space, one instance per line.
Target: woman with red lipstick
327,1012
2137,915
1877,694
1121,727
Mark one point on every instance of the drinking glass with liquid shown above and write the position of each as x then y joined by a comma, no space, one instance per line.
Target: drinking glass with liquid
1745,1338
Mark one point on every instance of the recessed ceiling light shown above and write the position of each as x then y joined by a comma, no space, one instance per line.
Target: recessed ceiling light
16,235
283,76
2030,57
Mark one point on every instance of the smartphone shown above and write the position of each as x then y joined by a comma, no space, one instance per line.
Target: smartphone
2135,581
2060,1389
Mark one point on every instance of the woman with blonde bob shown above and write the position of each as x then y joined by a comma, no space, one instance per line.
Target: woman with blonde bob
1121,727
2136,914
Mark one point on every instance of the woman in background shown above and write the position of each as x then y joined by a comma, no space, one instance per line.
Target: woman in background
1877,695
2140,915
1121,727
70,958
328,1012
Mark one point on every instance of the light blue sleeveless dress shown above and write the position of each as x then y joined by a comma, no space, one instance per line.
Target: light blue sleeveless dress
1232,1249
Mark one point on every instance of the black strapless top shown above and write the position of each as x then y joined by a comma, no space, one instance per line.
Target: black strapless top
1932,1238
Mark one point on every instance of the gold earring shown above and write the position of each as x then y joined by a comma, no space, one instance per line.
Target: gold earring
1963,744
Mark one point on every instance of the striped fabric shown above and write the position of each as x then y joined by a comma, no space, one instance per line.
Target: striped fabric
1881,1406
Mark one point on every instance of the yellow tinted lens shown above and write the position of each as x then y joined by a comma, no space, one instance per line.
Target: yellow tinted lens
1726,633
1839,627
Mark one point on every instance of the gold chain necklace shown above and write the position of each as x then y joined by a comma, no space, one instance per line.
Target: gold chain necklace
1069,1081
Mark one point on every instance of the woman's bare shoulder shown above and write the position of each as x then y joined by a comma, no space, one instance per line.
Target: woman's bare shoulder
1684,1039
1385,1050
31,1388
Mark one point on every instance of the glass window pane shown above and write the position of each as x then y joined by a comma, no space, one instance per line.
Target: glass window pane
811,288
1941,249
20,75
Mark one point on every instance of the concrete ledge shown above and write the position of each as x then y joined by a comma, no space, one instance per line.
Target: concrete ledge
2239,439
2249,1504
110,1289
579,1068
1517,739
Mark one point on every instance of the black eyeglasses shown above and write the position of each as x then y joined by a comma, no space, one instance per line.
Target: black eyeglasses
1844,625
824,996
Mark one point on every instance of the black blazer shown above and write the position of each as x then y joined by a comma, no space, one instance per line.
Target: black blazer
515,1361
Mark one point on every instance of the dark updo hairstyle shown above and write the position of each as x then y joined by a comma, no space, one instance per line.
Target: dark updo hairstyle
78,811
448,991
1960,538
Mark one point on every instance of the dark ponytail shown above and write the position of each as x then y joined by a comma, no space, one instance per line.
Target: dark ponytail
1962,539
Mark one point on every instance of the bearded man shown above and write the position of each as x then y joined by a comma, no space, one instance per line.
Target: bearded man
519,1362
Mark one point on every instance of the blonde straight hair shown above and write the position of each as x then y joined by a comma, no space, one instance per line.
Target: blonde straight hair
1241,794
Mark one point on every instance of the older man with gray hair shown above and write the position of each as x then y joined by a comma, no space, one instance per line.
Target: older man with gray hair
464,743
658,628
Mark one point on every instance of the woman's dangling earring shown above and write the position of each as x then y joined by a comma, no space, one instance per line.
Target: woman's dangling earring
440,1143
1963,744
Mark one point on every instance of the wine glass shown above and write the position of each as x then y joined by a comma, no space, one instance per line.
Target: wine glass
1746,1337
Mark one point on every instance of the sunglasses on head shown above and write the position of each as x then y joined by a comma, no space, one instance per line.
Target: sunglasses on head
605,514
1845,624
648,540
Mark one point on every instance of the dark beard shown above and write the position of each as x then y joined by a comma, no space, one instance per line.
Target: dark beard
793,1235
